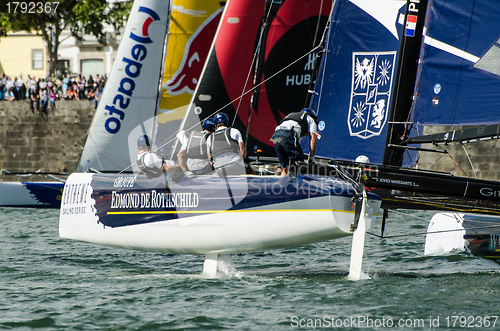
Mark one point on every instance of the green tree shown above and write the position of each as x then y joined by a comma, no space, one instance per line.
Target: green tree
53,17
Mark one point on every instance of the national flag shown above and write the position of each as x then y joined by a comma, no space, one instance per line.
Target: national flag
411,24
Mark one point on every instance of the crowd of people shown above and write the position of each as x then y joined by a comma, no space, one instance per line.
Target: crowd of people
44,92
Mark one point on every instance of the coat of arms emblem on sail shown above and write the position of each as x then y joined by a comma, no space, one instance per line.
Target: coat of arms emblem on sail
372,77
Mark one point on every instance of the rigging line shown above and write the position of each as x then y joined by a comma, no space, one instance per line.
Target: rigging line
451,156
97,153
426,233
439,158
263,29
318,22
470,161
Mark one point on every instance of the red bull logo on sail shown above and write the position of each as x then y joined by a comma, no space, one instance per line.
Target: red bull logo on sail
133,65
186,77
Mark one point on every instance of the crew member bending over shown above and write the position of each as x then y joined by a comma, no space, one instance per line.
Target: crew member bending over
226,150
287,134
193,155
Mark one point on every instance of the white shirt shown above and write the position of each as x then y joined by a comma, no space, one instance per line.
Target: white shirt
9,84
151,160
288,125
229,156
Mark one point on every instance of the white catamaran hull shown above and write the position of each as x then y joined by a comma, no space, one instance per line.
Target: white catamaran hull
199,223
456,232
31,194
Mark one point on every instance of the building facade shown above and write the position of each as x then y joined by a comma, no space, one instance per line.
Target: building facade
22,53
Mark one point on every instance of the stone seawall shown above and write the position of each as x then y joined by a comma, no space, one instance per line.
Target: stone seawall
51,143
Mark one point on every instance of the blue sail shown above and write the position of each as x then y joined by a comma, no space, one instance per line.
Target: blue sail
459,76
356,77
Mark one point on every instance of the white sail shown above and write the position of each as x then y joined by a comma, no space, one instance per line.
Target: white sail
130,96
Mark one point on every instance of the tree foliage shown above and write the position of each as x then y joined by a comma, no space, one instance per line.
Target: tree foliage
77,16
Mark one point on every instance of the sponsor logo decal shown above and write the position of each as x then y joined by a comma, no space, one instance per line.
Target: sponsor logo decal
154,199
372,77
197,48
133,65
74,199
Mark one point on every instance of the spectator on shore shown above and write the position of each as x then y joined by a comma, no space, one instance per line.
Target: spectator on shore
35,96
52,98
50,84
9,85
20,88
65,86
102,82
59,84
43,96
71,94
53,78
91,95
9,95
97,97
81,87
90,83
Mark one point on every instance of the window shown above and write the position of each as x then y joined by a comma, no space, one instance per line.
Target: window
37,55
92,67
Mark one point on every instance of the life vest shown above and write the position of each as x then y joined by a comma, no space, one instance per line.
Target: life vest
151,172
301,119
222,142
196,147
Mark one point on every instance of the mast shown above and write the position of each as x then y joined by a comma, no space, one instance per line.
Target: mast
162,71
405,82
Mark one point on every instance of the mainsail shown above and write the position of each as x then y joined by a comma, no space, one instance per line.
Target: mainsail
459,76
356,78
